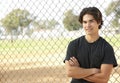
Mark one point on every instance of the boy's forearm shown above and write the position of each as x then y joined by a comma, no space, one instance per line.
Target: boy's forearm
102,76
88,72
97,78
77,72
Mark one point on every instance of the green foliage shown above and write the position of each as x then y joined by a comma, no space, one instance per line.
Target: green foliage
52,23
71,21
16,18
10,22
24,19
114,8
45,24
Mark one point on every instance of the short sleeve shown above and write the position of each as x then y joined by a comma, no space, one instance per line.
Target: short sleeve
71,50
109,57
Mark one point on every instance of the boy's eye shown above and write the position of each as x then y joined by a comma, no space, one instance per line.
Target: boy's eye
84,22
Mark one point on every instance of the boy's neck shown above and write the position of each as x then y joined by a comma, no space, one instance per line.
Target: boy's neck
91,39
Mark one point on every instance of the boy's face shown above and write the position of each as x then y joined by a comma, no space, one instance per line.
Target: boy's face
90,25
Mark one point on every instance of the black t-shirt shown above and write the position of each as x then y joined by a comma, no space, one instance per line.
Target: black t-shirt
90,55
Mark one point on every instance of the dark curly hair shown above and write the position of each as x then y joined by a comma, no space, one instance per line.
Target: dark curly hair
95,12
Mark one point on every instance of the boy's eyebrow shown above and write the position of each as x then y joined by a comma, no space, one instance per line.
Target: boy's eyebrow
92,19
89,20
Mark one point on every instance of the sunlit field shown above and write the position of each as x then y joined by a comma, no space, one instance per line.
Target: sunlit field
31,45
43,45
40,58
34,50
114,40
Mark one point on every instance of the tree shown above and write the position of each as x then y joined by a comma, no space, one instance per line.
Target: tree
71,21
45,24
52,23
114,8
16,18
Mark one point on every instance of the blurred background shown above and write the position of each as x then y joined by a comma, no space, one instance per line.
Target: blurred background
34,35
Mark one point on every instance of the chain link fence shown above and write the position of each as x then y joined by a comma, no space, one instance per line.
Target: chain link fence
34,50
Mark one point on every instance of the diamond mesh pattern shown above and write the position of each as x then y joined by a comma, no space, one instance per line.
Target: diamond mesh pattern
38,57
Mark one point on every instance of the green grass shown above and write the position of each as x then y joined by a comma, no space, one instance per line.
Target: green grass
43,45
114,40
29,46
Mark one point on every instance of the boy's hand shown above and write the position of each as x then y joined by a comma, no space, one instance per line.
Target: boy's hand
74,62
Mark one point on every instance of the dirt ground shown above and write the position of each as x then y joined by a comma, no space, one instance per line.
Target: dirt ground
43,75
36,75
37,69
